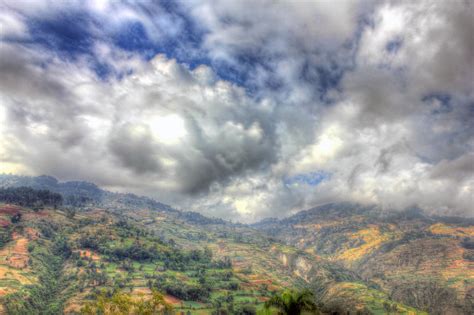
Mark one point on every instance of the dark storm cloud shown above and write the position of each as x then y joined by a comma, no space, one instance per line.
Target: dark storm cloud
22,75
386,155
134,149
459,169
351,180
237,148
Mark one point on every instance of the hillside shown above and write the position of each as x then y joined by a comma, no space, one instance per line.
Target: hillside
426,262
54,260
353,258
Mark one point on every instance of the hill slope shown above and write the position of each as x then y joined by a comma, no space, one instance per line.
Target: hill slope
353,257
426,262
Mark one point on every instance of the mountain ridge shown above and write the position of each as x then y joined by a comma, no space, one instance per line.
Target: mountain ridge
97,194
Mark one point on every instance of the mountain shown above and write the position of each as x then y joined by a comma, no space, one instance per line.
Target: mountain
426,262
80,193
355,258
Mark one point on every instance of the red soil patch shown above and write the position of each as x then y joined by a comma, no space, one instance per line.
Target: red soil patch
89,254
3,292
35,215
16,255
141,291
18,262
42,213
9,209
256,284
72,308
32,233
172,300
16,236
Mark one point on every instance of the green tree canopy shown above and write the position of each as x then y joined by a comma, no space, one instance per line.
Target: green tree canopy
291,302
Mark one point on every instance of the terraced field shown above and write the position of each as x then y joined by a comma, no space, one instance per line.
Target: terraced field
199,268
106,253
63,258
424,262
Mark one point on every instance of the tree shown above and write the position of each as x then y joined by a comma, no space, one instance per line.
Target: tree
16,218
291,302
70,213
29,197
246,310
155,305
123,304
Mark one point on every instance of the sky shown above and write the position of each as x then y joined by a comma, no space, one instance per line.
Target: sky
244,109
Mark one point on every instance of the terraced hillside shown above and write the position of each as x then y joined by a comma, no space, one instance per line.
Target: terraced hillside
61,257
54,260
425,262
267,264
58,260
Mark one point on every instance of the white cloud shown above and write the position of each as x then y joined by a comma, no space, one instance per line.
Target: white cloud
436,50
169,124
12,26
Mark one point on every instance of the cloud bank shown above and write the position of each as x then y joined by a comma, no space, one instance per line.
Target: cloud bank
244,110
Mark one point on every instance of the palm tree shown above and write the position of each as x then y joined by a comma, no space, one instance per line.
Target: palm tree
291,302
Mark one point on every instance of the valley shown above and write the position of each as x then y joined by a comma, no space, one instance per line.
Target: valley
61,257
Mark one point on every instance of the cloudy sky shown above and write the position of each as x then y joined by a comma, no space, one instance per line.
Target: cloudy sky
244,109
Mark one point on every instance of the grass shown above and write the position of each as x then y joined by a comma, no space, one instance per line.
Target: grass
371,238
459,231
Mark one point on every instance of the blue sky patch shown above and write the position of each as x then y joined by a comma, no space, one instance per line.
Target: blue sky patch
311,179
443,99
394,45
69,33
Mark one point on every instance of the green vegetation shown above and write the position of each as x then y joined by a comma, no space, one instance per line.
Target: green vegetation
5,236
111,259
43,297
29,197
122,303
293,302
74,261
